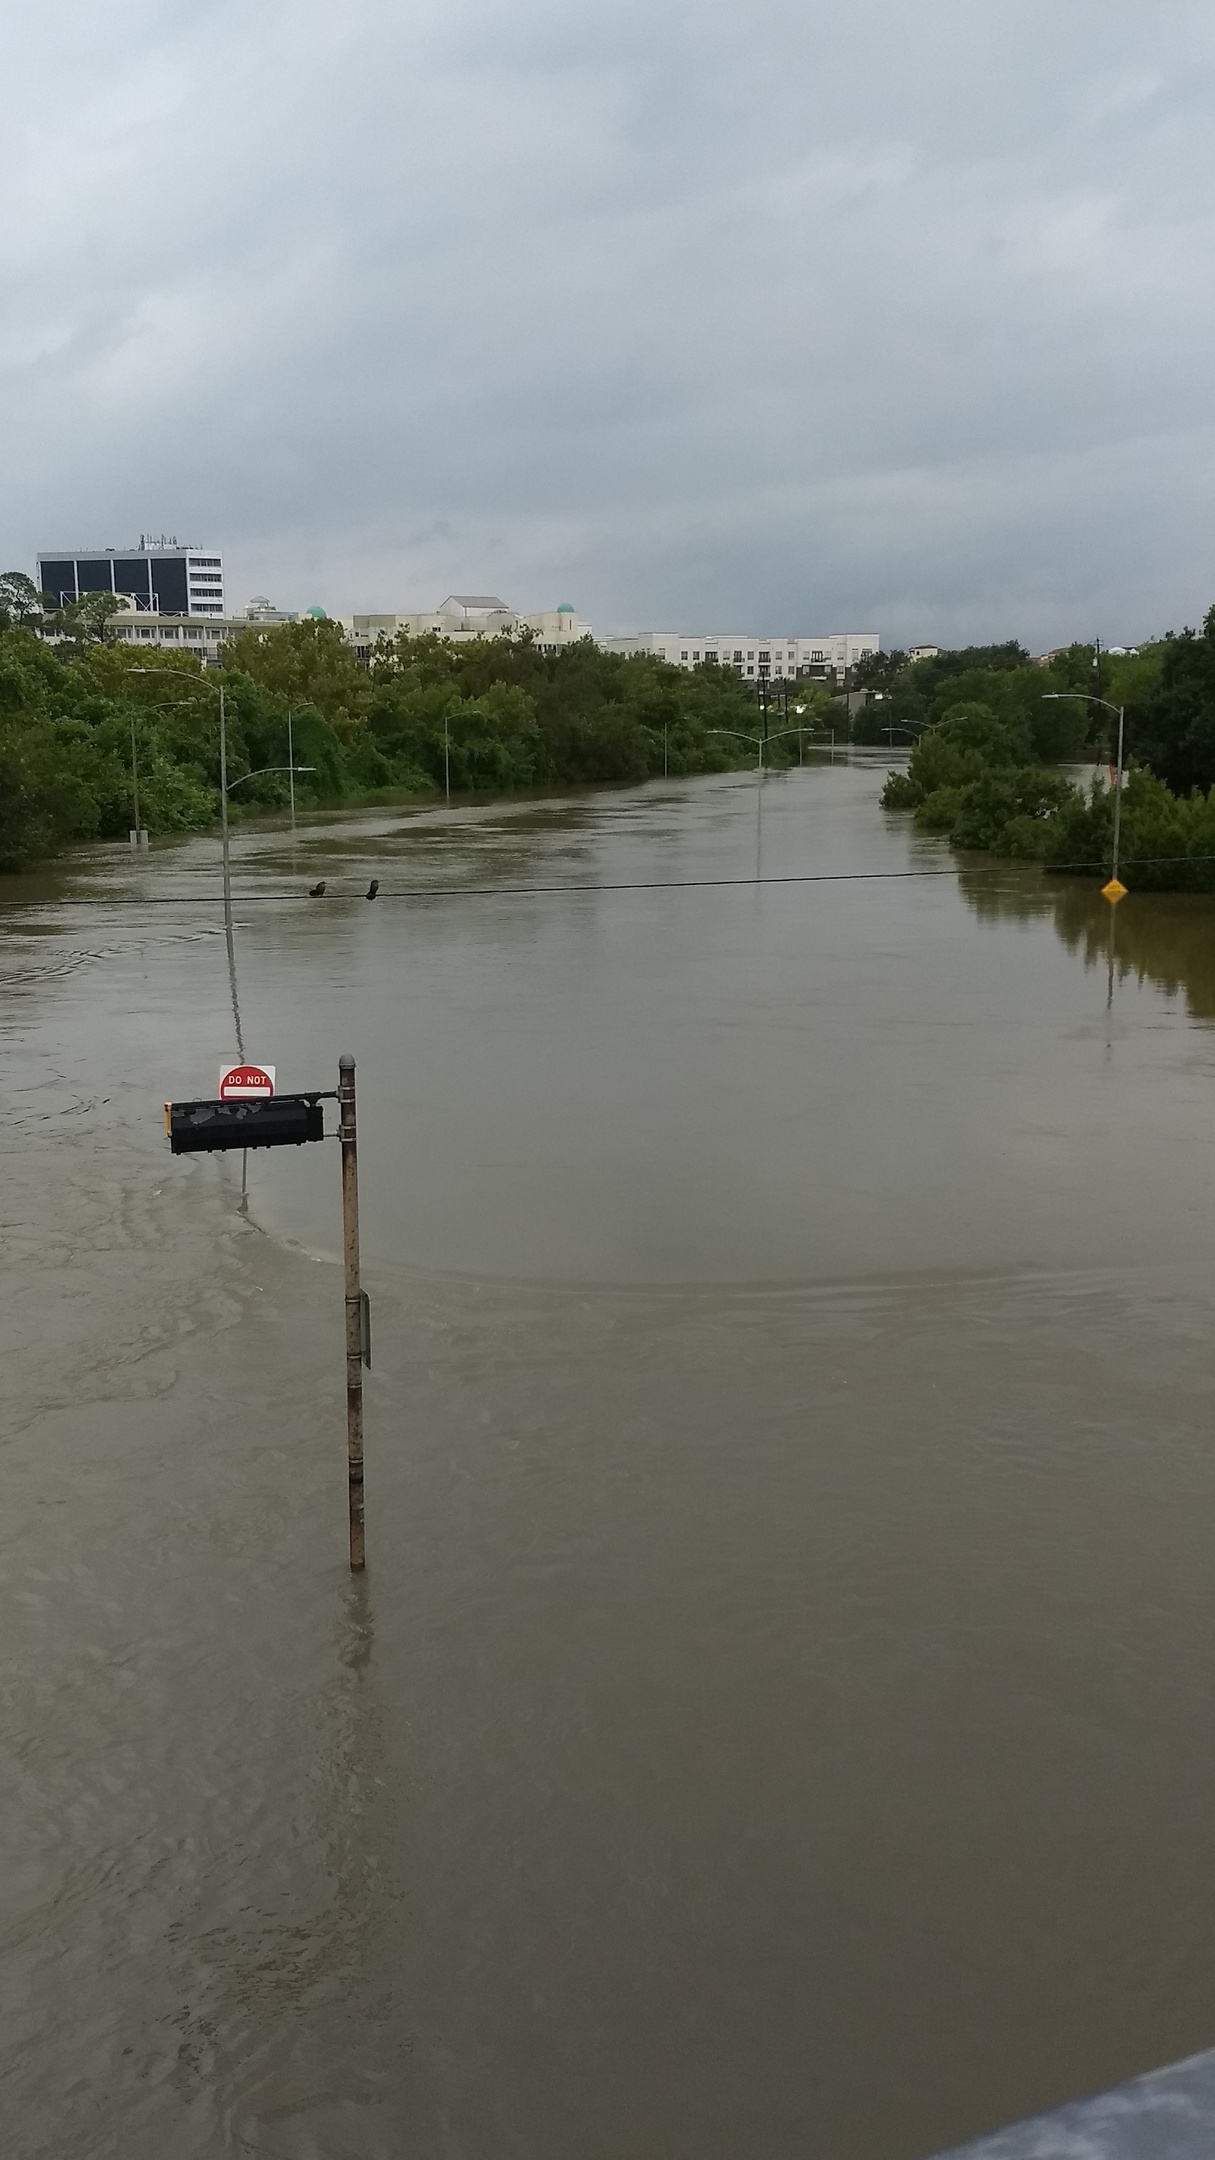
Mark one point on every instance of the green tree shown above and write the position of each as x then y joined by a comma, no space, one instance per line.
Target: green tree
1171,720
305,663
22,606
87,620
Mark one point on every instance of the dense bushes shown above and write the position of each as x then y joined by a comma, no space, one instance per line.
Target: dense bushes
1167,841
972,777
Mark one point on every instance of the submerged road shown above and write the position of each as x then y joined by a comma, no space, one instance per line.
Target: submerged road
775,1718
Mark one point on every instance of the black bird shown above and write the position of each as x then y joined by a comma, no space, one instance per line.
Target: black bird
315,891
373,888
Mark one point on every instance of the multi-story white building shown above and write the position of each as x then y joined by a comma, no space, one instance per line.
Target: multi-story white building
159,576
464,616
204,636
749,655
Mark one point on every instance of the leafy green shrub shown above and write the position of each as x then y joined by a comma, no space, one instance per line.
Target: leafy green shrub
1024,796
901,792
939,811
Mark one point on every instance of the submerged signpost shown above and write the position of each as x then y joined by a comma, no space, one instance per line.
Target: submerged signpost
248,1114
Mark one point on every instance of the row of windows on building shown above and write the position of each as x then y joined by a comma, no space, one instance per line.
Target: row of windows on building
711,653
172,630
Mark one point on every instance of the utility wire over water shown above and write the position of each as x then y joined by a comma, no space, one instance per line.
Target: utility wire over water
508,892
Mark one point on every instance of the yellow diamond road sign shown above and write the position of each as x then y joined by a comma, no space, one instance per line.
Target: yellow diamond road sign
1113,892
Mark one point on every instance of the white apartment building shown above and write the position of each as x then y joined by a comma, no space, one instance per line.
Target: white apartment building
830,655
464,616
202,636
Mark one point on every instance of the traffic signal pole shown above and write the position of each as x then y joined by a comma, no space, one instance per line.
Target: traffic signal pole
348,1134
211,1127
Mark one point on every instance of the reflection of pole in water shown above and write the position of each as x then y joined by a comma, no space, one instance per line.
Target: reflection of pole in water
1111,955
1109,987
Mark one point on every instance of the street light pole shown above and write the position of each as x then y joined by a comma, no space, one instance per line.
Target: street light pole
1086,697
137,835
291,771
223,800
229,938
760,741
1118,789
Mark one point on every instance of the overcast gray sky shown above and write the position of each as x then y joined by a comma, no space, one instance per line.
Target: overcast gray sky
892,314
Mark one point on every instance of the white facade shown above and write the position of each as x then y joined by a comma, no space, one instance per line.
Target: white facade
464,616
176,633
206,579
750,655
205,637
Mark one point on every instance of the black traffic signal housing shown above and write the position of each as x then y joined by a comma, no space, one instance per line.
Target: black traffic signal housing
205,1127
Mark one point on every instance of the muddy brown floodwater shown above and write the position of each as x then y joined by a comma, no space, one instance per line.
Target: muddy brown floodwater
776,1718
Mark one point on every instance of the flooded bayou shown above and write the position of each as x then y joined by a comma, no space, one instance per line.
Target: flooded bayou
776,1716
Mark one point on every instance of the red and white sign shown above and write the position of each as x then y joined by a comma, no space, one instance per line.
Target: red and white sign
246,1083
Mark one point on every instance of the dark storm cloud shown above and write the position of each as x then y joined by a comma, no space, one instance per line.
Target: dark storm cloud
886,315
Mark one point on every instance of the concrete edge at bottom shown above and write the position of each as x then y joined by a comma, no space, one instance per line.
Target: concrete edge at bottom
1165,2115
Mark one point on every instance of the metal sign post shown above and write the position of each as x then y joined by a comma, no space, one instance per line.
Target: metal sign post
348,1134
248,1114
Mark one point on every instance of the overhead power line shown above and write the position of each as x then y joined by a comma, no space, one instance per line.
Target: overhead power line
519,892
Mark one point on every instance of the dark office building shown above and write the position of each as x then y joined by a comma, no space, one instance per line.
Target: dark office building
162,580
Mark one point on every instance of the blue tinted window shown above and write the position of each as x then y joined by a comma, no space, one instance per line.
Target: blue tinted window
169,585
133,577
95,576
58,579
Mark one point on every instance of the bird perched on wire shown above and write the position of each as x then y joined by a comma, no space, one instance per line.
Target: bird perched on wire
373,888
315,891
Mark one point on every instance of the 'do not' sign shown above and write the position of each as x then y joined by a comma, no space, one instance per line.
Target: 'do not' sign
246,1083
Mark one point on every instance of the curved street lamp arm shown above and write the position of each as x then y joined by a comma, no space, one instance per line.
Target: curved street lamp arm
256,774
1078,697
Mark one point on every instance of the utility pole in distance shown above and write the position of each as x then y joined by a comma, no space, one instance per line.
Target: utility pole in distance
355,1310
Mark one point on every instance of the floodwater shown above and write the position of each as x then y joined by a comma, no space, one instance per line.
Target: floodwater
775,1719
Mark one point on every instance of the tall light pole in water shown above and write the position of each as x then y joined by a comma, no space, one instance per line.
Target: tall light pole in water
188,675
138,836
760,741
1086,697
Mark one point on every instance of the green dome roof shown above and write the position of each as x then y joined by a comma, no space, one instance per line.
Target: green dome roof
566,609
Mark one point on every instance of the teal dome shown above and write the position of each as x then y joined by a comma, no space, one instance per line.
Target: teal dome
317,614
566,609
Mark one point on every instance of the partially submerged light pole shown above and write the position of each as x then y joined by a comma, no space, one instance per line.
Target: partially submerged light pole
357,1330
1118,789
1086,697
139,837
291,770
223,805
760,741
